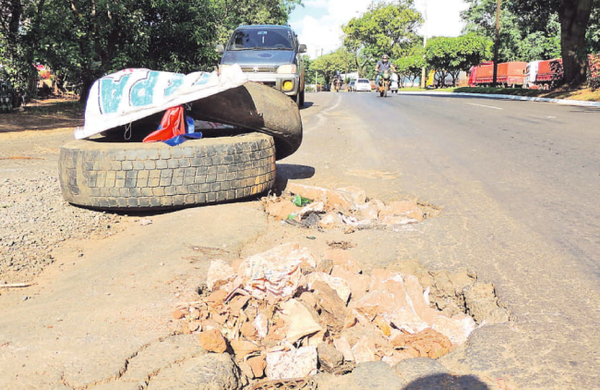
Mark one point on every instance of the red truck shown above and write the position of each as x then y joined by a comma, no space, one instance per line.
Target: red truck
543,74
509,74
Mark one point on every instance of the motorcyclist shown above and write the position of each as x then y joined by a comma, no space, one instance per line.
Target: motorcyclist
337,81
383,65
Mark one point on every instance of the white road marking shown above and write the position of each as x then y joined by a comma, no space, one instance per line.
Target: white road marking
483,105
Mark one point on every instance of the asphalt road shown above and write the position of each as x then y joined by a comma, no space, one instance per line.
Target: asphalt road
520,187
518,183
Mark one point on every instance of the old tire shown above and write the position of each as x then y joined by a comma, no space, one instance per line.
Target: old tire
142,176
257,107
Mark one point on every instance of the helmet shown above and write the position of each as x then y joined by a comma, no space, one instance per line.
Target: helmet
384,57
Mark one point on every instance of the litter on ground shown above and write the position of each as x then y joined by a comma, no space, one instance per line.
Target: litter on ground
345,208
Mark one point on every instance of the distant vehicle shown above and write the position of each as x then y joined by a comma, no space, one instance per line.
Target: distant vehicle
543,74
351,86
337,84
510,74
269,55
362,85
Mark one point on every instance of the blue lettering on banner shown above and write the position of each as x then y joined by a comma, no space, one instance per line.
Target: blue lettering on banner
142,91
174,84
111,91
204,79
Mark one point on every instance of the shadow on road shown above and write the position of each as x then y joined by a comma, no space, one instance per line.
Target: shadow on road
446,382
286,172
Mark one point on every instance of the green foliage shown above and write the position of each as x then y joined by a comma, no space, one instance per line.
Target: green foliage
386,28
522,37
327,65
592,38
81,40
451,55
309,73
541,30
410,66
232,13
16,54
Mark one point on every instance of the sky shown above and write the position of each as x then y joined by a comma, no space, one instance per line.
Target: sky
318,23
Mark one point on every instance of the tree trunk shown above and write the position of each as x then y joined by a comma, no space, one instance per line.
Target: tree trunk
574,17
85,88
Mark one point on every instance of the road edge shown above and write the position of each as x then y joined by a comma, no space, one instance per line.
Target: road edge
579,103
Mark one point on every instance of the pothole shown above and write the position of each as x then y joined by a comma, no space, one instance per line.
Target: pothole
289,313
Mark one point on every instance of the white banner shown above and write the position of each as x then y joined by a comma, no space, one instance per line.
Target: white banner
132,94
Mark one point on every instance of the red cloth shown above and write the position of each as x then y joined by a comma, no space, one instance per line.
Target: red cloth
171,125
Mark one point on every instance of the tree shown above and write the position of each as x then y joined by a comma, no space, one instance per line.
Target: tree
81,40
329,64
309,73
16,46
451,55
574,16
593,34
234,13
540,17
386,28
409,67
521,39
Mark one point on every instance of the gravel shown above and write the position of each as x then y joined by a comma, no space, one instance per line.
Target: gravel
35,221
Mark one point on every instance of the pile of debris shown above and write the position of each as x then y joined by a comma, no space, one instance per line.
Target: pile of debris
286,313
345,208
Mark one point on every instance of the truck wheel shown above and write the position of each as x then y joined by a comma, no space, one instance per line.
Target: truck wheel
298,100
142,176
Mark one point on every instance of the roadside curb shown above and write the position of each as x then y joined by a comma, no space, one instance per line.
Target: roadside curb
579,103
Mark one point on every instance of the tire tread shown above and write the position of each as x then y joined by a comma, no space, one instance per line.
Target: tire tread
134,176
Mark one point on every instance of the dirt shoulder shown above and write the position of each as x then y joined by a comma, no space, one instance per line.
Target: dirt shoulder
39,115
36,221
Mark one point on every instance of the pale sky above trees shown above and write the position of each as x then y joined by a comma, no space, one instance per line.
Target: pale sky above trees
318,23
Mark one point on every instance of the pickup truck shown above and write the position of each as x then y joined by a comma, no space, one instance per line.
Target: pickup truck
268,54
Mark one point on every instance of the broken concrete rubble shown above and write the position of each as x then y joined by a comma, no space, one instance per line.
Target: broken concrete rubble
329,357
299,321
346,208
282,317
296,363
213,341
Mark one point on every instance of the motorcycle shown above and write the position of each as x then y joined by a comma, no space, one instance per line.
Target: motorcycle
384,83
337,85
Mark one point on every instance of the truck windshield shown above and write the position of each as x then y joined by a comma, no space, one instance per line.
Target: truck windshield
251,39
